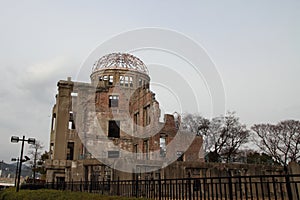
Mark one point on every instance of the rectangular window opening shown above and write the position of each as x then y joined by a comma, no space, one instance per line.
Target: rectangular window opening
53,122
71,121
135,150
113,154
162,145
71,125
146,115
114,129
136,121
111,80
130,81
126,81
74,94
51,150
105,78
146,149
180,155
121,80
113,101
70,151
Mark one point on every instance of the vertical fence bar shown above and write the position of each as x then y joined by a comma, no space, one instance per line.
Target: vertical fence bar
240,187
225,190
102,188
251,190
136,186
282,192
296,188
165,189
246,188
220,187
90,186
173,190
201,188
268,189
288,186
262,187
204,187
274,187
230,185
210,189
72,185
176,189
256,190
118,186
189,186
159,187
80,185
235,190
216,188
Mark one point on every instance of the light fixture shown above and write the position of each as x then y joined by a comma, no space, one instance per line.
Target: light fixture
31,141
26,158
16,139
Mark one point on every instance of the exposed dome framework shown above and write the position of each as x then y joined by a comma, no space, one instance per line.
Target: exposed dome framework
120,61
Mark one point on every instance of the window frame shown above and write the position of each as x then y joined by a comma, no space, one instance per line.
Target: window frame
113,101
110,80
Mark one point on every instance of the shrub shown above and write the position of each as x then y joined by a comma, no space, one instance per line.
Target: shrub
46,194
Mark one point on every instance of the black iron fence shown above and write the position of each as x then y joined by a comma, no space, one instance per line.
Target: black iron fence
267,187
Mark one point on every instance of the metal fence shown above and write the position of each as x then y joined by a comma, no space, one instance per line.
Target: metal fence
267,187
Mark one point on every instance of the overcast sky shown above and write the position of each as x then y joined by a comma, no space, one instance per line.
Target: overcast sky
255,46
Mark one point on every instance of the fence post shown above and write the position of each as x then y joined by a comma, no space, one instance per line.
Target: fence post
90,185
118,186
230,185
288,183
159,187
80,185
72,185
102,186
136,185
190,186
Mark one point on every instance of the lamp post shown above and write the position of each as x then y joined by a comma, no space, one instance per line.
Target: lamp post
16,159
17,167
1,162
16,139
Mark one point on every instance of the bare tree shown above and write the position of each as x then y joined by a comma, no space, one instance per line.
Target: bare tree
41,167
35,153
280,141
226,135
195,123
223,135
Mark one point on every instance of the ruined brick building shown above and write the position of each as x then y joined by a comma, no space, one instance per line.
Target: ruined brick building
110,128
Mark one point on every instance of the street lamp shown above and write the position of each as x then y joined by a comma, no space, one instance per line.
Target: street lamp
17,159
16,139
1,162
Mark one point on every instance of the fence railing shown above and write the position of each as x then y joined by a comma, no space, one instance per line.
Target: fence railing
267,187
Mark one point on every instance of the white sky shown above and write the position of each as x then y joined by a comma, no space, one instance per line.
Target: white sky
254,44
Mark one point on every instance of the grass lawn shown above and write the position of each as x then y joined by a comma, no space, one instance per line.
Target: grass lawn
45,194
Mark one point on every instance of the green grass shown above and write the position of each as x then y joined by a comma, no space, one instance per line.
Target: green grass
45,194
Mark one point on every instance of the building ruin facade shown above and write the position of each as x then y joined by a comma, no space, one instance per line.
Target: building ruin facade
109,128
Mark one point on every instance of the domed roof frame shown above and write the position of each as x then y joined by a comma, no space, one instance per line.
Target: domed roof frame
120,61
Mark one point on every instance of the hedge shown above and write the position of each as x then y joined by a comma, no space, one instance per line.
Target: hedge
46,194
